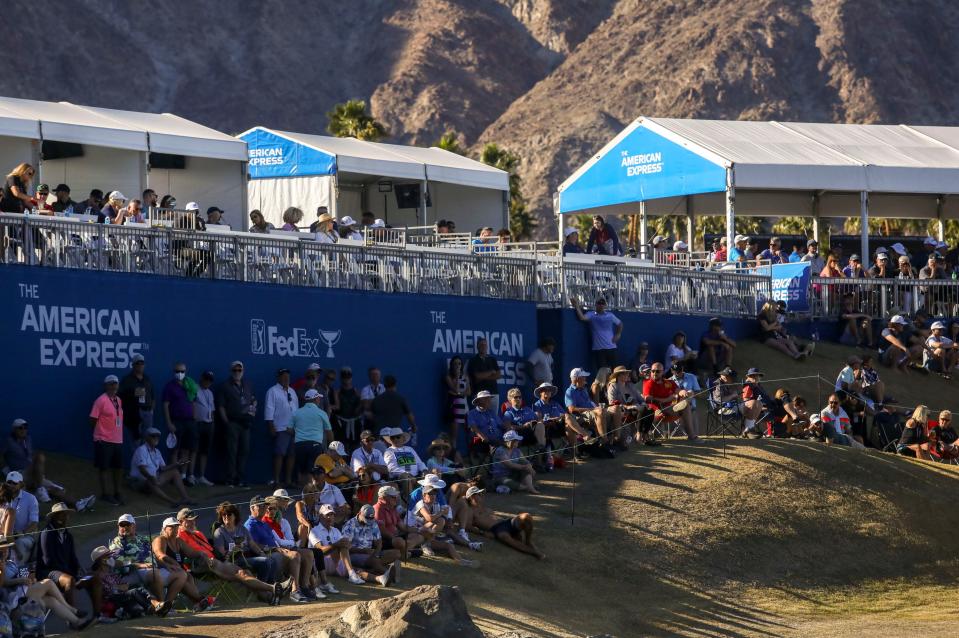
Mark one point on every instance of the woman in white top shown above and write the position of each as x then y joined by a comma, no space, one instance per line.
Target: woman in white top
679,351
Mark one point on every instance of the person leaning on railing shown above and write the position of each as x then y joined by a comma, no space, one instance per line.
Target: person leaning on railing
15,197
258,223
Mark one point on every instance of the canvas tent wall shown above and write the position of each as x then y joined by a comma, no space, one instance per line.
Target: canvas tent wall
116,148
660,166
349,176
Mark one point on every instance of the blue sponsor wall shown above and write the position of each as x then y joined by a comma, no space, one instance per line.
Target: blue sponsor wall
63,331
573,337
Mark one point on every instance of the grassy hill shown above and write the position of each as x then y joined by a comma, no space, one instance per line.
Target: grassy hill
729,538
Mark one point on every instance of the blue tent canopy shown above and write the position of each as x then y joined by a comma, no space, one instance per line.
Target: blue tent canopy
271,155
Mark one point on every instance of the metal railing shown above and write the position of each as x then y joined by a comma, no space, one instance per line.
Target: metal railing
829,297
526,275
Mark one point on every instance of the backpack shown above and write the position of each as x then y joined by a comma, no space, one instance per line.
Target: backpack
29,619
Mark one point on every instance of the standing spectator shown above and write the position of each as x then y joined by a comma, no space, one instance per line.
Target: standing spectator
855,270
325,386
106,419
457,391
603,239
605,329
204,409
149,472
349,408
26,516
177,398
816,263
312,433
483,370
716,346
541,361
258,223
882,269
795,256
278,409
368,458
57,558
390,407
310,379
137,398
63,203
370,391
571,242
15,197
236,405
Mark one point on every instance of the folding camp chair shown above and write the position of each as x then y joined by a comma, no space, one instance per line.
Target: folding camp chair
717,423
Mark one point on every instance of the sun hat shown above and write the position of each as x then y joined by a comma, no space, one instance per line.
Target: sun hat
169,521
570,231
387,490
98,553
545,386
326,508
435,444
187,514
754,372
337,447
619,370
512,435
398,432
60,507
111,378
577,373
473,491
312,394
325,217
482,394
432,480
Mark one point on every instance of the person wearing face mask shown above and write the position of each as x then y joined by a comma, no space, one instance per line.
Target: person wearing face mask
236,406
177,399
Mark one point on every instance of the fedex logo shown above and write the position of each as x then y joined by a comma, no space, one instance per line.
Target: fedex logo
267,340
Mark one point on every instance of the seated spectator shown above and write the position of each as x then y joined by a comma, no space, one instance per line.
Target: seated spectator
19,455
194,545
602,238
679,351
914,440
523,420
26,512
328,494
292,216
57,558
893,350
831,267
627,407
557,421
801,415
688,383
883,269
233,543
815,429
873,387
118,600
430,520
886,426
515,532
299,565
168,551
335,464
368,457
667,400
258,223
715,347
581,407
402,460
149,472
63,203
485,424
439,462
365,492
214,216
112,212
753,399
939,352
18,587
836,425
511,470
850,378
348,229
725,393
782,416
134,564
133,213
945,436
771,332
366,549
335,547
856,326
393,529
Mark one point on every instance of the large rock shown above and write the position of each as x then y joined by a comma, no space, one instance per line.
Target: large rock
429,611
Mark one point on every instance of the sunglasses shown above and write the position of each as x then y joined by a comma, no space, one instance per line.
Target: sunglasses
370,439
180,370
237,369
655,371
124,524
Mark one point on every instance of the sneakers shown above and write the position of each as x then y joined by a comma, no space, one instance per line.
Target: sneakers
502,489
298,597
329,588
204,604
465,562
163,609
202,480
725,411
86,503
385,578
42,495
476,546
428,551
463,535
355,579
318,593
107,620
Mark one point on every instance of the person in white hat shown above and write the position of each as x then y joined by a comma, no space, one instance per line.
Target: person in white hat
680,246
558,422
135,566
430,519
484,422
371,561
939,352
515,532
312,432
336,463
523,419
591,417
738,252
882,269
326,538
510,469
348,229
149,472
112,211
169,550
402,460
571,241
393,529
106,419
893,350
327,494
26,512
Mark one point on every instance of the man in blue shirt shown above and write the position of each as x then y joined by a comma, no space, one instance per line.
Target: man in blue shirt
581,407
738,252
557,422
523,419
605,329
773,254
298,563
485,423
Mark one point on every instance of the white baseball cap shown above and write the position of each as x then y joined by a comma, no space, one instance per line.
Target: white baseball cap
314,366
900,320
577,373
739,238
389,490
473,491
312,394
192,206
570,231
347,221
378,223
111,378
117,195
169,521
326,508
338,447
281,493
680,245
512,435
14,477
938,326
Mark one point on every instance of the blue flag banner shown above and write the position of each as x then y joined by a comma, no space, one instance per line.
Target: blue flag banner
790,283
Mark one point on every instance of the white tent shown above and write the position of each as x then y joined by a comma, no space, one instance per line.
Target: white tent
404,185
116,147
659,166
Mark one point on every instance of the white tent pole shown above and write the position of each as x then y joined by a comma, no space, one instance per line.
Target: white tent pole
245,191
38,154
940,225
643,226
730,207
815,219
690,223
864,225
560,220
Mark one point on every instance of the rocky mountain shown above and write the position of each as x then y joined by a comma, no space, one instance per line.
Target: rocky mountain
552,80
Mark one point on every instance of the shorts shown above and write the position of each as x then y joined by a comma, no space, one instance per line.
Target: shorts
306,453
204,436
186,436
146,574
509,526
107,456
586,420
388,542
337,567
283,443
360,560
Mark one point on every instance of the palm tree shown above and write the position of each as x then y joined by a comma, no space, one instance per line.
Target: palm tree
450,142
350,119
521,223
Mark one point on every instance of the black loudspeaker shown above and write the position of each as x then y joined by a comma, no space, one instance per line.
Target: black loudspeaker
163,160
408,196
52,150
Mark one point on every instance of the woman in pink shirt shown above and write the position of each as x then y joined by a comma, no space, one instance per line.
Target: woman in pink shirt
106,419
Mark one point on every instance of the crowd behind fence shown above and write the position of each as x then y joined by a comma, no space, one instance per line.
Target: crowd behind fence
523,273
883,298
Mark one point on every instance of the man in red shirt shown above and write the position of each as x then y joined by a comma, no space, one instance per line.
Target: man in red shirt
396,535
661,394
752,405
